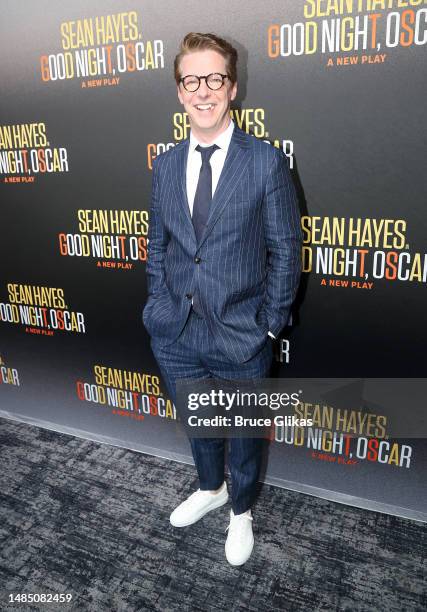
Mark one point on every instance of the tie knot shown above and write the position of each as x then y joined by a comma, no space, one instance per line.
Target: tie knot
206,152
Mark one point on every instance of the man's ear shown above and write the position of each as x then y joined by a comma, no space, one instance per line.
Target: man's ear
234,91
178,89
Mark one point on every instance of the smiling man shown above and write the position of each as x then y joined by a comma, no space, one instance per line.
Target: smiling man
208,106
223,268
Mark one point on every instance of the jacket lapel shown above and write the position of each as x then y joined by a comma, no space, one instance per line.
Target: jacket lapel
180,185
236,161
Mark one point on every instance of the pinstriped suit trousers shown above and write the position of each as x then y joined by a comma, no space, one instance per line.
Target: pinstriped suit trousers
195,355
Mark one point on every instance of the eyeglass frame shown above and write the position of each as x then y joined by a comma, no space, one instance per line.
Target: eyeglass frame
224,76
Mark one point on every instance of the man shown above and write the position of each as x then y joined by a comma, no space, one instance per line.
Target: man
223,268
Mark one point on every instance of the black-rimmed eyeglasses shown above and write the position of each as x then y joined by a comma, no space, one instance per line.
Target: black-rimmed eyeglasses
214,81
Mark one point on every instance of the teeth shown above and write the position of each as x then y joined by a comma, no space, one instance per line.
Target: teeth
204,106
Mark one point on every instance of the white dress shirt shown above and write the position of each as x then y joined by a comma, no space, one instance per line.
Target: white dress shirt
194,163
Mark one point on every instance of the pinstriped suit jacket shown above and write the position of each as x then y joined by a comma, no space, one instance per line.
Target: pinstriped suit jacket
250,253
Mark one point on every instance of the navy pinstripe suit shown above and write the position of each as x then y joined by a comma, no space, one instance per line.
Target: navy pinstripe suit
245,271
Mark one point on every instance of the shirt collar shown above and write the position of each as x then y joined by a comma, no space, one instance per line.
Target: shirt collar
222,141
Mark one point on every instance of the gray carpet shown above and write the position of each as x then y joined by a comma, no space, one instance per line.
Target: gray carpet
92,520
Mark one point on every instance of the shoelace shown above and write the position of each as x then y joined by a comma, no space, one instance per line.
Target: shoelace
234,522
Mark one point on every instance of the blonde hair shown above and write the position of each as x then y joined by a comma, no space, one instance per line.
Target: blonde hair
194,41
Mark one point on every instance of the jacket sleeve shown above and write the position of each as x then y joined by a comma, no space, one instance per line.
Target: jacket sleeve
158,239
283,237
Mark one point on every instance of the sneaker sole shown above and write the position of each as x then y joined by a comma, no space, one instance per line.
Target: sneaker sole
214,506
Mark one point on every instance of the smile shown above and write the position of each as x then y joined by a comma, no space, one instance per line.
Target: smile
205,107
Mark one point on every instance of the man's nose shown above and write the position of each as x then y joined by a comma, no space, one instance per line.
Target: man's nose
203,90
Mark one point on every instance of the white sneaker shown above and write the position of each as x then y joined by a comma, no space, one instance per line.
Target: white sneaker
240,539
197,505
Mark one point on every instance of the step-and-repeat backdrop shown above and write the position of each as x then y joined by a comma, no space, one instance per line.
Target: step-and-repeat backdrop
88,100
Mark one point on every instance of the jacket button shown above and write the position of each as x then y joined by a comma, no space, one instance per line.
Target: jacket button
188,296
197,260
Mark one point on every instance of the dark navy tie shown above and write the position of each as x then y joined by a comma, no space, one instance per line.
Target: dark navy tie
201,204
203,196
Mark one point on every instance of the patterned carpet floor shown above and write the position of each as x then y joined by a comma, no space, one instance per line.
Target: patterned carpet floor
90,519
